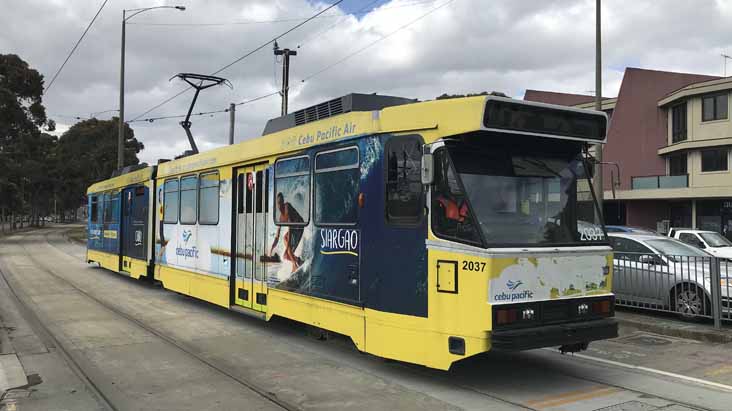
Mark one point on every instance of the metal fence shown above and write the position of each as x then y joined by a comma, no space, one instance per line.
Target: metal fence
692,287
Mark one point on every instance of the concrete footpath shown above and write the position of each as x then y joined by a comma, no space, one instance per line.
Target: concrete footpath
25,357
666,324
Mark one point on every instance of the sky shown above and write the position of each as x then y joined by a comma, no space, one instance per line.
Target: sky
416,49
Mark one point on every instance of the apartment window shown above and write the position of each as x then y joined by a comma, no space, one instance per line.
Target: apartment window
714,107
714,160
677,165
678,123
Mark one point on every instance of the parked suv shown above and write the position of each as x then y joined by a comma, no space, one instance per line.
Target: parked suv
710,241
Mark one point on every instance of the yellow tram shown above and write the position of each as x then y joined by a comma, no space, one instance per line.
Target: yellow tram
427,232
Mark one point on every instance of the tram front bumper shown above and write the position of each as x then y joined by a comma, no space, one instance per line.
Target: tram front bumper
566,334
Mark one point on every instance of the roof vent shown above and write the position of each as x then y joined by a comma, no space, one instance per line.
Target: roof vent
128,169
345,104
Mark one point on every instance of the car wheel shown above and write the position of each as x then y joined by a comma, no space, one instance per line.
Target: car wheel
690,301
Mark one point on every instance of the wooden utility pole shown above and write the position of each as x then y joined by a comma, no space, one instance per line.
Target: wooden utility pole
285,53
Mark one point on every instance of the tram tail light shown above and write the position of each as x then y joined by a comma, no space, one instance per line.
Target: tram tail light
506,316
601,307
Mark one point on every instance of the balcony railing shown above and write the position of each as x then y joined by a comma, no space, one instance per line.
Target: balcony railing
654,182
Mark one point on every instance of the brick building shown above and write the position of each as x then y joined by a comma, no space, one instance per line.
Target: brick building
671,134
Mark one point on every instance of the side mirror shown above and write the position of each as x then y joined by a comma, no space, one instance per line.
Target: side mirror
428,168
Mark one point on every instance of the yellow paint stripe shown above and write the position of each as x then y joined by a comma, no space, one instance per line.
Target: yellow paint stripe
596,394
338,252
572,396
725,369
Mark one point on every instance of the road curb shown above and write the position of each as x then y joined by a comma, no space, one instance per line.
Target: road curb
630,322
12,374
5,346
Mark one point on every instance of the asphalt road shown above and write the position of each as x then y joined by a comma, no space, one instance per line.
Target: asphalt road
91,339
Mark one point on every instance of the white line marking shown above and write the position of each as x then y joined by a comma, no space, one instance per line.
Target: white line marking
654,371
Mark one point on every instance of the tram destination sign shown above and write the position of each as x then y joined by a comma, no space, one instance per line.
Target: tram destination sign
543,120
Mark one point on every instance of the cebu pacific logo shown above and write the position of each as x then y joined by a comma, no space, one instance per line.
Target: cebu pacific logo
187,235
513,285
513,294
185,251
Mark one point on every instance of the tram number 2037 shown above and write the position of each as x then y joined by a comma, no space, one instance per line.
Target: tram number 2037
474,266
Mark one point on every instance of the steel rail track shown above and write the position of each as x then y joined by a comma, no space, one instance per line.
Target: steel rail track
45,334
494,396
221,369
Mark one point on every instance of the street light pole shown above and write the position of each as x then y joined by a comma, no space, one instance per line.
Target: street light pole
121,132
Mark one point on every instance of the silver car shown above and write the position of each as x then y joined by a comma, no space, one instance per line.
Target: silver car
662,273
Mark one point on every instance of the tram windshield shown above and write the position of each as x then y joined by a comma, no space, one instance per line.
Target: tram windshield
518,195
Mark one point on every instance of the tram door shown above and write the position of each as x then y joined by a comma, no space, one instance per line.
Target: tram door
133,226
252,209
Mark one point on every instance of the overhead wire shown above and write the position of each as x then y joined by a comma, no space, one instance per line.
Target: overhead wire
337,23
75,46
373,43
318,72
233,23
284,20
237,60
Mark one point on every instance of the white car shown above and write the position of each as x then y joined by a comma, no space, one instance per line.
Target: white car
710,241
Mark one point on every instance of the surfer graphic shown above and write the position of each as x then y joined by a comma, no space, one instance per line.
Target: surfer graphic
291,239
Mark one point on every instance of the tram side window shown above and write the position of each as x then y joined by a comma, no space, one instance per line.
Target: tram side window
94,210
107,209
404,199
139,212
292,191
336,186
208,198
188,200
170,201
451,217
111,208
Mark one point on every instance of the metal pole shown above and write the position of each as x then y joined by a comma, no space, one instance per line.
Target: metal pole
598,183
286,53
232,119
285,80
121,132
716,291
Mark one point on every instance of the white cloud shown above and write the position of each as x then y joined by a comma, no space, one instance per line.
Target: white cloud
467,46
